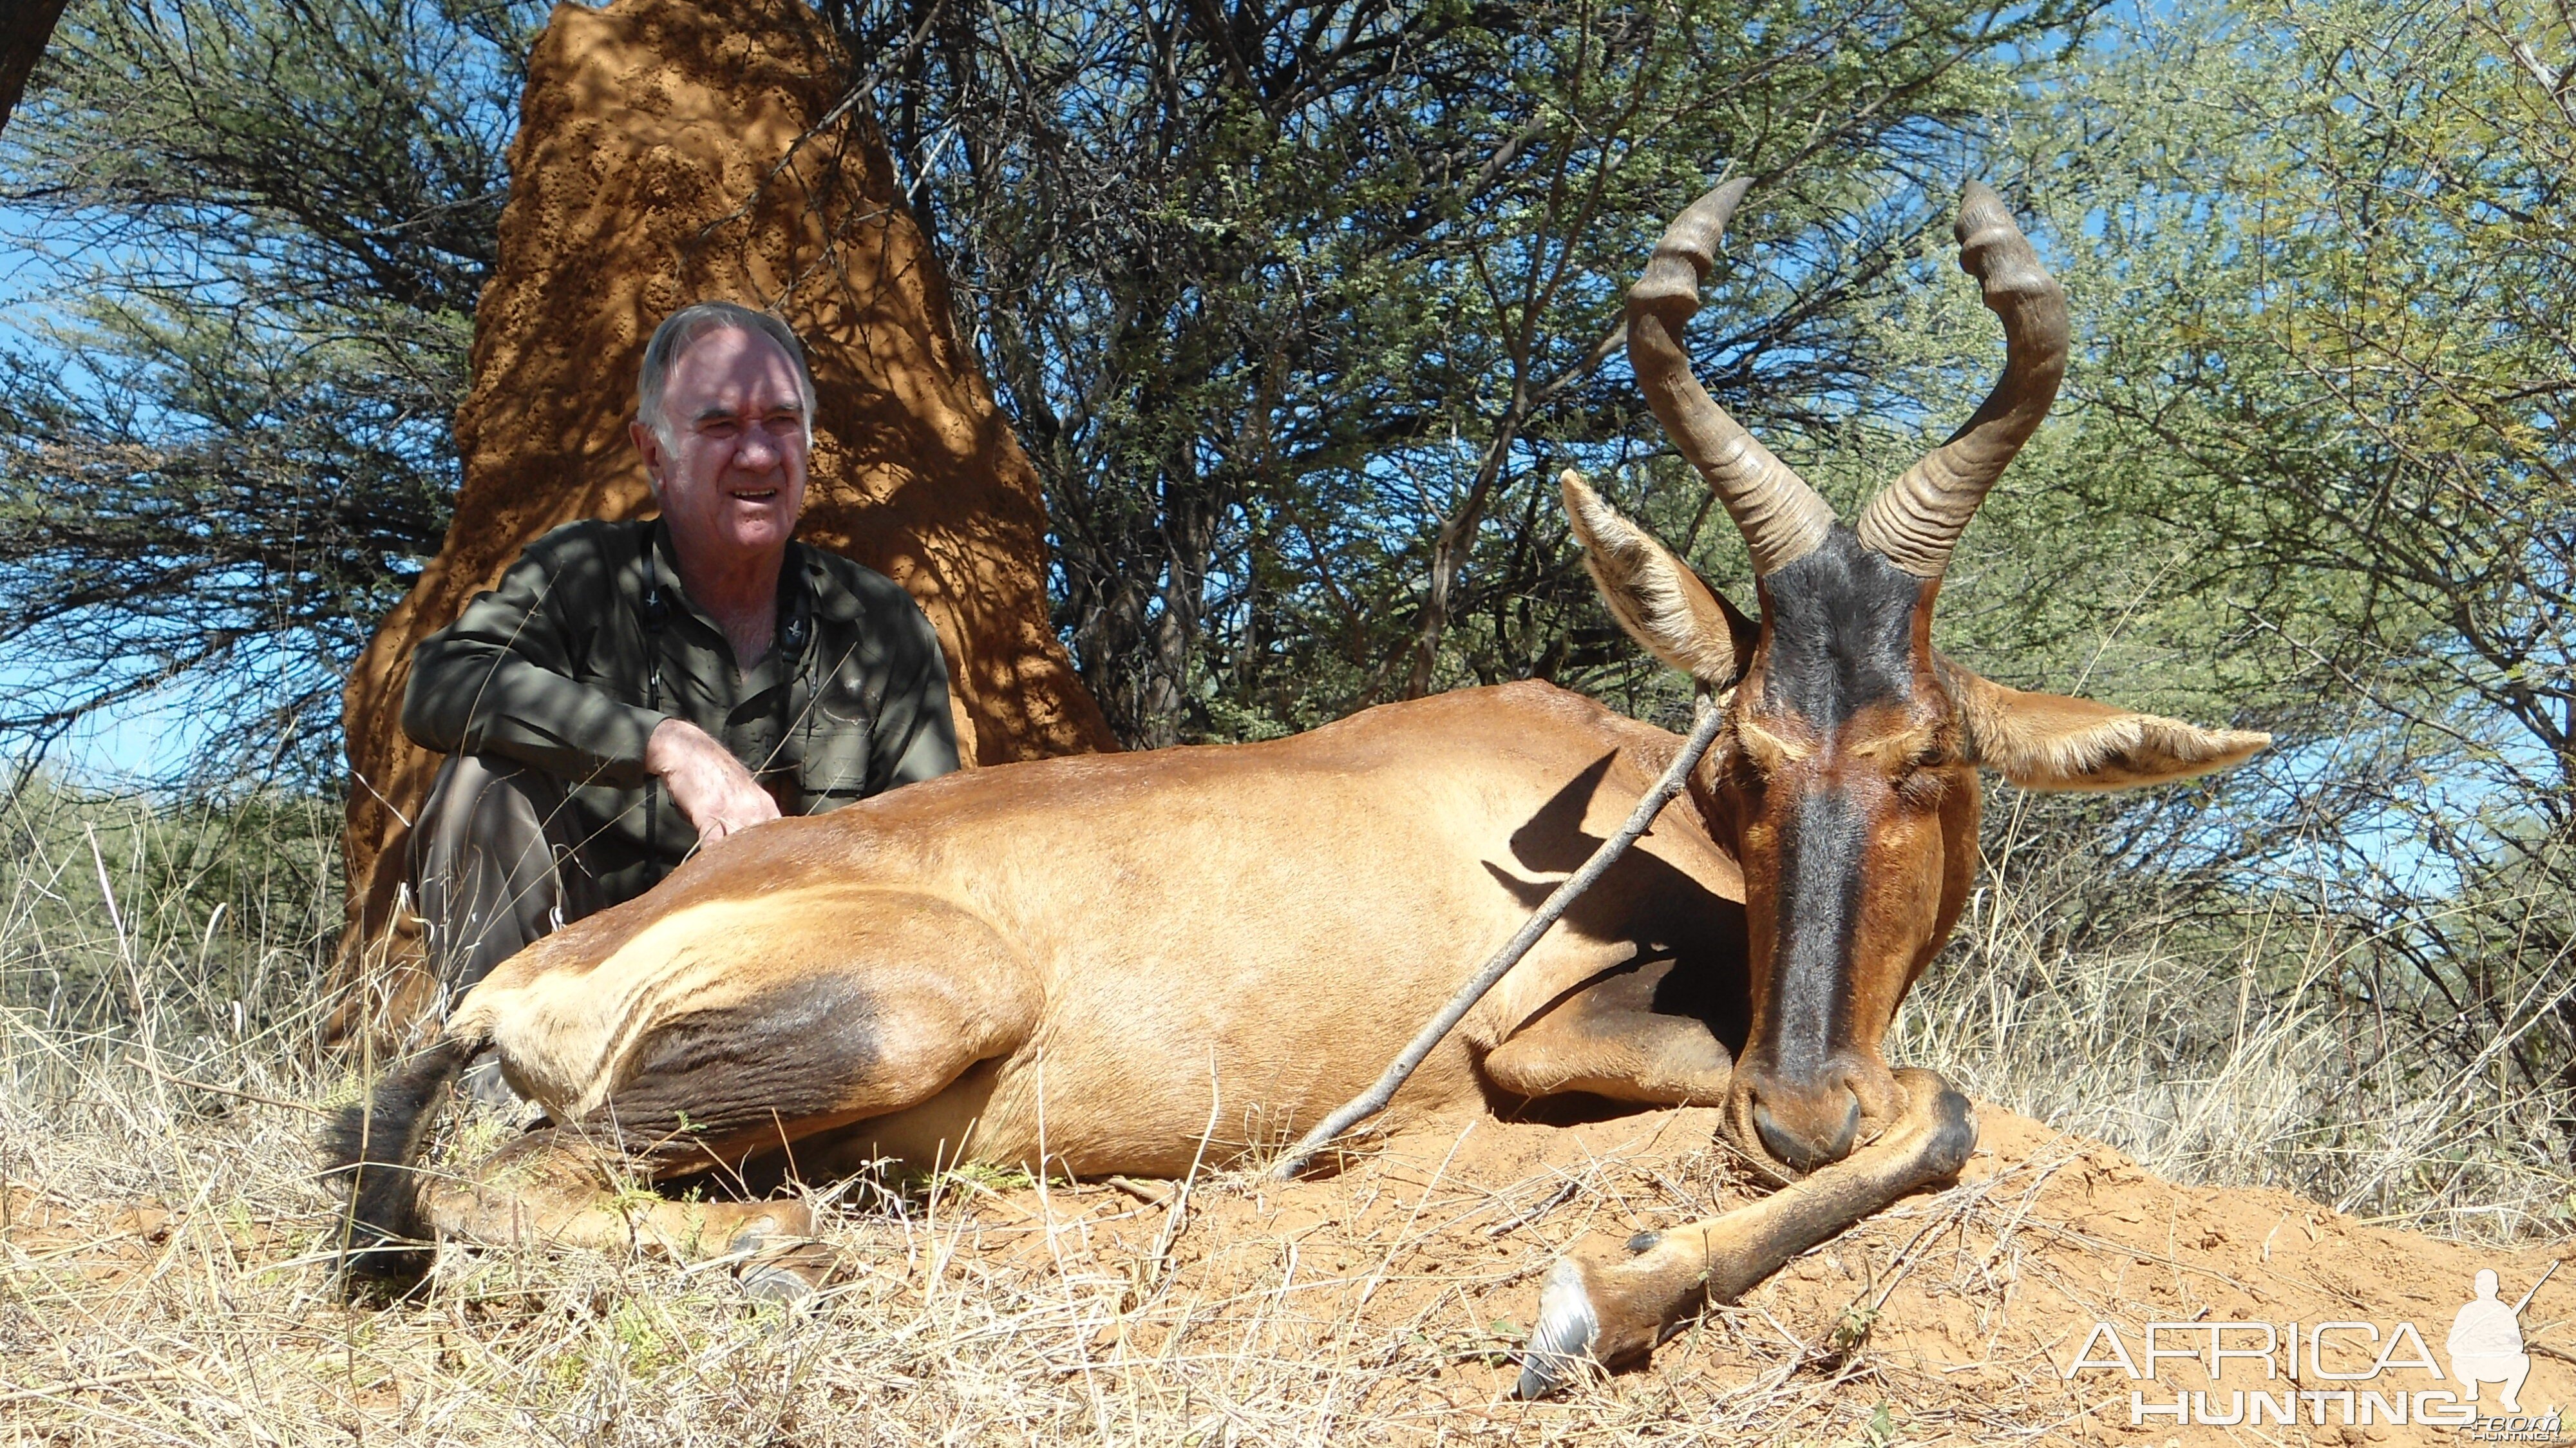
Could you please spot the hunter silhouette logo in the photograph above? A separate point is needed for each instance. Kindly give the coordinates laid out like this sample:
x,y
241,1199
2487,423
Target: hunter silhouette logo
x,y
2486,1343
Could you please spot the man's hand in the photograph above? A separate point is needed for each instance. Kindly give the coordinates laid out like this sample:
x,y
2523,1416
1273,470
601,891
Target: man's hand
x,y
710,786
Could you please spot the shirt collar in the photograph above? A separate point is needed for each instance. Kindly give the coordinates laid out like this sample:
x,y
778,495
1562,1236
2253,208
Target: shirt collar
x,y
795,628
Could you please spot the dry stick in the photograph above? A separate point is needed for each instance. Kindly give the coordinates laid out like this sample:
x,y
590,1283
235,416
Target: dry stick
x,y
112,1380
306,1107
1372,1101
2535,1289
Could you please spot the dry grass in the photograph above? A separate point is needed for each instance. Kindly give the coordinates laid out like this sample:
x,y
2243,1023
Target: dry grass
x,y
961,1315
2261,1050
966,1315
164,1246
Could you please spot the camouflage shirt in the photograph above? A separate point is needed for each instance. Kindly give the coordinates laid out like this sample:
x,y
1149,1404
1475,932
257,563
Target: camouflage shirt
x,y
589,643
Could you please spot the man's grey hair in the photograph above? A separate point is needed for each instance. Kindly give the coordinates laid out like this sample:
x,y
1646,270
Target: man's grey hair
x,y
686,326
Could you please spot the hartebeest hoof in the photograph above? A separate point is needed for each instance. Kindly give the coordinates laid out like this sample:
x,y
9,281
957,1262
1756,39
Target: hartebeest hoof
x,y
781,1269
1561,1341
1616,1311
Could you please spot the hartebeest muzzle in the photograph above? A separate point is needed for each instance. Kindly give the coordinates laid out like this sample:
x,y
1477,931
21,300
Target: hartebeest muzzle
x,y
1847,776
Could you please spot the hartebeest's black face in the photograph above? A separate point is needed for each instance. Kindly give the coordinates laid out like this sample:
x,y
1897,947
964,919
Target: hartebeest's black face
x,y
1854,814
1846,781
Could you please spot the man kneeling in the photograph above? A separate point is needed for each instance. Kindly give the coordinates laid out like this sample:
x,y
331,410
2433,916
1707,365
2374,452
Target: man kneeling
x,y
632,692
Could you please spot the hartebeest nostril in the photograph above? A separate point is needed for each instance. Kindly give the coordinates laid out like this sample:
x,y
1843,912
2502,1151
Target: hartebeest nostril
x,y
1809,1148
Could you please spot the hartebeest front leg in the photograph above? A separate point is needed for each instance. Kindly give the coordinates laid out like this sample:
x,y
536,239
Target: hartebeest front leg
x,y
1611,1312
1610,1040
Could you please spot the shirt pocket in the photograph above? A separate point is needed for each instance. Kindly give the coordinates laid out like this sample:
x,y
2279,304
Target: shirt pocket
x,y
832,739
831,781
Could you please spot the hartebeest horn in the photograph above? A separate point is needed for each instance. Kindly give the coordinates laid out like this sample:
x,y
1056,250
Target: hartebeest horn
x,y
1917,521
1782,519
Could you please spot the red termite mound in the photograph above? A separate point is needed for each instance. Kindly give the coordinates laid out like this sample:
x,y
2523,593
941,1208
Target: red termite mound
x,y
669,154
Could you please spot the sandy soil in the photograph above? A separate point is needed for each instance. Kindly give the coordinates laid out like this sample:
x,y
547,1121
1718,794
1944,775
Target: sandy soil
x,y
1407,1282
1962,1306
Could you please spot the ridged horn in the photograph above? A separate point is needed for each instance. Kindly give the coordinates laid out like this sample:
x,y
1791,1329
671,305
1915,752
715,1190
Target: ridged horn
x,y
1781,518
1917,521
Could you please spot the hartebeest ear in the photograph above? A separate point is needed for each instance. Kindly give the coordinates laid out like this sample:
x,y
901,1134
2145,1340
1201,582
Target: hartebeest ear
x,y
1654,595
2051,741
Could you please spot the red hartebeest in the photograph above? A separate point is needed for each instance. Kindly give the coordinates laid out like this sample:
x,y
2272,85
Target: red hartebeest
x,y
1078,963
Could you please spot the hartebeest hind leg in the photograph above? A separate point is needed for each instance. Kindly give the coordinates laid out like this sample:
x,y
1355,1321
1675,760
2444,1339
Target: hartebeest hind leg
x,y
751,1044
1615,1311
1610,1039
863,1022
555,1187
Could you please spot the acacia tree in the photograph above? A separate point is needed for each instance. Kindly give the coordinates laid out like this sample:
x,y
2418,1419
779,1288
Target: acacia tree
x,y
2317,464
224,448
1295,309
1299,308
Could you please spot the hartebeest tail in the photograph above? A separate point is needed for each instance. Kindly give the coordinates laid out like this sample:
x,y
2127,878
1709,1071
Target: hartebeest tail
x,y
374,1143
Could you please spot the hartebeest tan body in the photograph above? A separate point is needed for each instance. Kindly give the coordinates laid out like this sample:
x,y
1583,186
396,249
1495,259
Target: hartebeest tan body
x,y
1131,963
989,967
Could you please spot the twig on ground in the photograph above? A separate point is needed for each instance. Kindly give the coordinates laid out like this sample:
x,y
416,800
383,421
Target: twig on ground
x,y
278,1101
85,1385
1151,1196
1521,1219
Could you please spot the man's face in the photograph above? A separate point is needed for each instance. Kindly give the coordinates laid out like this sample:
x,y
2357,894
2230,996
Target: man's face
x,y
731,478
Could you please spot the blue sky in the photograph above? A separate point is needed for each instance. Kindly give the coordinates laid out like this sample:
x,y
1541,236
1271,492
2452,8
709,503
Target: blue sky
x,y
153,737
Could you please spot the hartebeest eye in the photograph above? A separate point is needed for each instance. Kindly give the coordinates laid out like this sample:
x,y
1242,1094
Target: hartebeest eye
x,y
1768,748
1903,755
1925,777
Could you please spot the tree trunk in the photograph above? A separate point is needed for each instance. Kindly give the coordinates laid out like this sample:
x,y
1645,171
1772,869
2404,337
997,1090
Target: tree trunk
x,y
24,29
